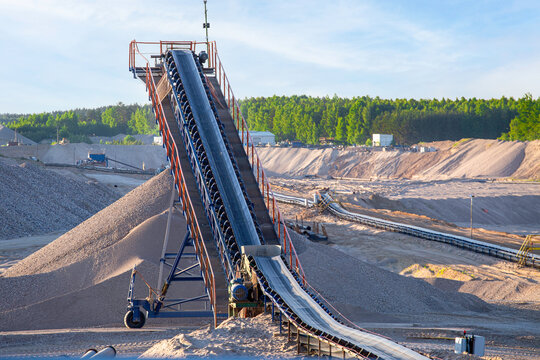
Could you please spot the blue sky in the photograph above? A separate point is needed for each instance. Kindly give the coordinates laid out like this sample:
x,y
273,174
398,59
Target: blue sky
x,y
63,54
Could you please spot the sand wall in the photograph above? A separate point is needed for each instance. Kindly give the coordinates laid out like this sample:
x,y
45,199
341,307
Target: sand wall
x,y
467,159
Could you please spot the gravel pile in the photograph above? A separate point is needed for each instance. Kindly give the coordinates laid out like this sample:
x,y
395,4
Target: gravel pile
x,y
7,135
100,231
37,201
81,279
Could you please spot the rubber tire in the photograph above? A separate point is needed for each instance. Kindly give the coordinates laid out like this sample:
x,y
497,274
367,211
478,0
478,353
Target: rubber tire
x,y
128,320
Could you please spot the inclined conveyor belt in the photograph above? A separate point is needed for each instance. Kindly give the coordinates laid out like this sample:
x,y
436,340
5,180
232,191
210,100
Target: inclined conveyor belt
x,y
229,188
275,277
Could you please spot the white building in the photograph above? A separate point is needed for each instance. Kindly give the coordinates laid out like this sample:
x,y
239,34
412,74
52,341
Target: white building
x,y
382,139
158,140
260,137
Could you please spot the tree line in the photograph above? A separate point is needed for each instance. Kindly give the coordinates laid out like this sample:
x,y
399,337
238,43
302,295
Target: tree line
x,y
353,121
308,119
79,124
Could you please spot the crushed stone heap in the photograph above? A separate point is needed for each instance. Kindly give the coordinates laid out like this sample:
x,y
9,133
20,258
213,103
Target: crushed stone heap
x,y
37,201
81,279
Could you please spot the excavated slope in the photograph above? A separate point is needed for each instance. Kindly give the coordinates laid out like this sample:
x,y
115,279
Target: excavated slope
x,y
464,159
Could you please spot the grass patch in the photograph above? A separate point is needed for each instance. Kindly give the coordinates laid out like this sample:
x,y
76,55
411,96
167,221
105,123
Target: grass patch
x,y
462,141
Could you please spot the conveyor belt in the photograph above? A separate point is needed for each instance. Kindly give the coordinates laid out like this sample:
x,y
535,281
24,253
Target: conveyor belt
x,y
282,282
198,120
486,248
224,175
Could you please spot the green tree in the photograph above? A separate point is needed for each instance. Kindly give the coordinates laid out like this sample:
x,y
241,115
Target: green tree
x,y
525,126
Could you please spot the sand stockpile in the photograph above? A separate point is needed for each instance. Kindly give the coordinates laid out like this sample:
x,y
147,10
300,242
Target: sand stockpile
x,y
7,135
364,292
81,279
37,201
252,337
465,159
101,230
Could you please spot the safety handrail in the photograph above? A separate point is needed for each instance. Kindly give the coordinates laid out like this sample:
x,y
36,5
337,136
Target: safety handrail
x,y
187,206
214,62
164,46
255,162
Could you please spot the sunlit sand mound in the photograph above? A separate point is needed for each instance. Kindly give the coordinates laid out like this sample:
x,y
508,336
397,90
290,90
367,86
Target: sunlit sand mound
x,y
468,158
233,337
100,231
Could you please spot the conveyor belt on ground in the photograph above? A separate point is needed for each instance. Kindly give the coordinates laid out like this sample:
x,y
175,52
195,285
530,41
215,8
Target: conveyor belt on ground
x,y
195,104
490,249
281,281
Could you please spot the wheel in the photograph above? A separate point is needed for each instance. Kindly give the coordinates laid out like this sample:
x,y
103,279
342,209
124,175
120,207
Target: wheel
x,y
128,320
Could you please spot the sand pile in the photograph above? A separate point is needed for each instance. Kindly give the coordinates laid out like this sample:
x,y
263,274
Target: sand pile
x,y
81,279
364,292
37,201
252,337
530,166
463,159
509,291
7,135
479,158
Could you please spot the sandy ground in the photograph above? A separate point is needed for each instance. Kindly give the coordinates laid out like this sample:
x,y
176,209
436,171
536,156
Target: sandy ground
x,y
444,277
73,342
497,205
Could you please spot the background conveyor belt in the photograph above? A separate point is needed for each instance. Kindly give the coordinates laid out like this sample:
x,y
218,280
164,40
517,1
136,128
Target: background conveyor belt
x,y
282,282
501,252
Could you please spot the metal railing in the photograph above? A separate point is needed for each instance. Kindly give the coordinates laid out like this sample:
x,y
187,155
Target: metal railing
x,y
525,253
215,65
187,206
255,162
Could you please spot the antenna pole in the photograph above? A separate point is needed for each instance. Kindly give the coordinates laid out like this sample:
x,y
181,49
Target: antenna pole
x,y
206,26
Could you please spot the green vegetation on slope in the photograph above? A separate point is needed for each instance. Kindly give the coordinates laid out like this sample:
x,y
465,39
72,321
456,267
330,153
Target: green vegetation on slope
x,y
525,126
353,120
78,125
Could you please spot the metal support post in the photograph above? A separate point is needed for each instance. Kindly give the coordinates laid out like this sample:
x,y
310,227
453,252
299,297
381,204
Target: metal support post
x,y
472,196
166,240
289,330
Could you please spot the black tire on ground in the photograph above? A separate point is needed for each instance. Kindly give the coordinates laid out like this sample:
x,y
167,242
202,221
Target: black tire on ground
x,y
128,320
